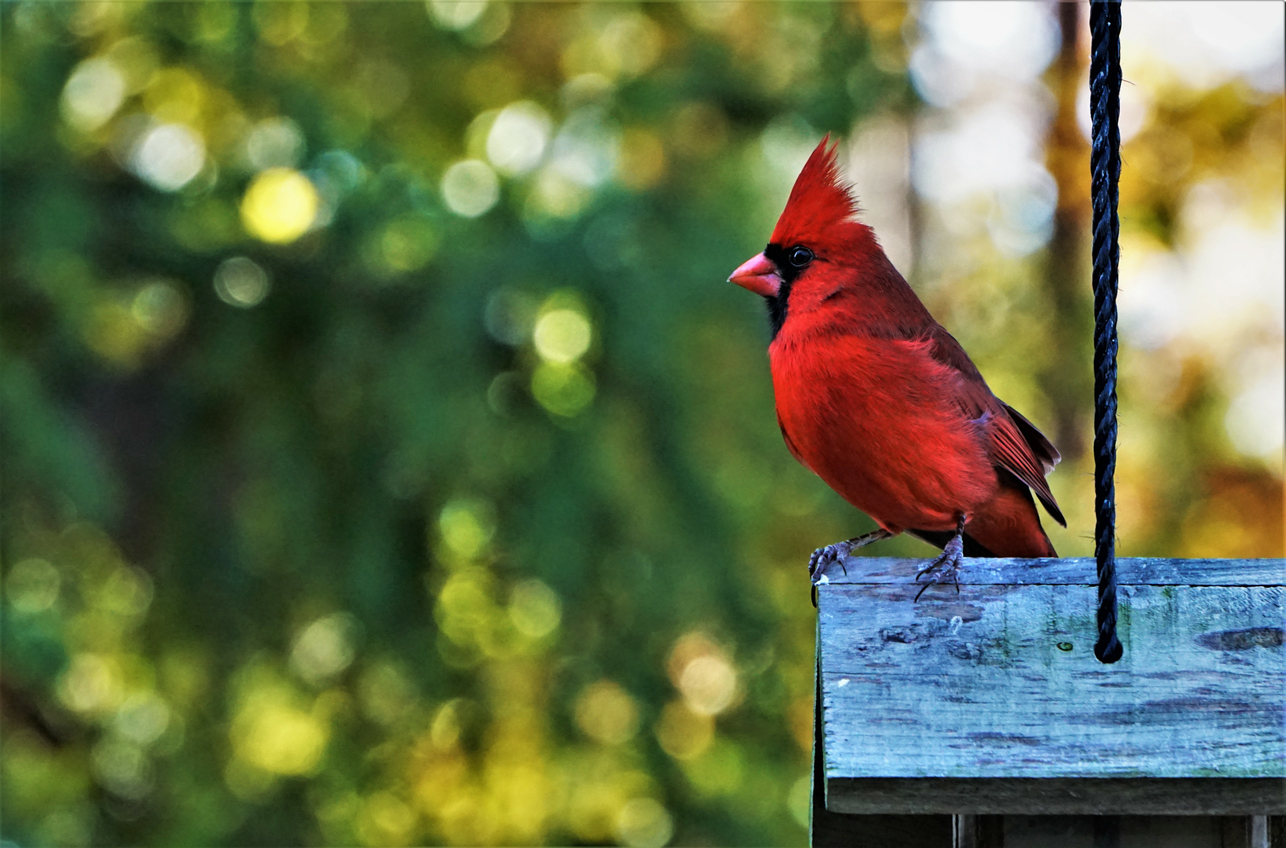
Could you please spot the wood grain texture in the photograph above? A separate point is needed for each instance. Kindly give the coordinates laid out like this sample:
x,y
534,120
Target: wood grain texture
x,y
1079,571
999,683
1057,796
830,829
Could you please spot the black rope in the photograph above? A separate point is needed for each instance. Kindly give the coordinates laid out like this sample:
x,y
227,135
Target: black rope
x,y
1105,172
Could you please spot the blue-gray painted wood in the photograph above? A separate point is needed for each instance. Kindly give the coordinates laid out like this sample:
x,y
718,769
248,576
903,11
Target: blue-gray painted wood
x,y
1079,571
999,683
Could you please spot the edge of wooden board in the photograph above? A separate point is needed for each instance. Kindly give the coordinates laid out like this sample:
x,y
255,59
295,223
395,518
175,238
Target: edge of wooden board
x,y
1143,571
1058,796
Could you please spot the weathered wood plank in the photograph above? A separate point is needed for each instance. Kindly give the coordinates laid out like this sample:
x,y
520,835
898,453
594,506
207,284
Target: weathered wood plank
x,y
829,829
1130,571
996,690
921,796
1002,682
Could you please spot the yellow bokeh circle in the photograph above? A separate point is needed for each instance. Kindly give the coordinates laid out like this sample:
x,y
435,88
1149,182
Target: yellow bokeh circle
x,y
279,206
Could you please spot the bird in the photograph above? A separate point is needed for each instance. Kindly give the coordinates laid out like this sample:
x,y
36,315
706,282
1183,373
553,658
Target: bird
x,y
877,399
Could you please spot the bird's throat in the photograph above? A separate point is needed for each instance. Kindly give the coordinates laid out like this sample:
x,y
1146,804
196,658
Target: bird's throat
x,y
777,310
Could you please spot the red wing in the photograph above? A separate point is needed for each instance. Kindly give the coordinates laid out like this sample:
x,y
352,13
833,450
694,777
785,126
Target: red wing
x,y
1013,452
1013,442
1041,446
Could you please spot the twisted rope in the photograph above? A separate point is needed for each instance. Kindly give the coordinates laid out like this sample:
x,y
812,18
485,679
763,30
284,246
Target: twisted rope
x,y
1105,172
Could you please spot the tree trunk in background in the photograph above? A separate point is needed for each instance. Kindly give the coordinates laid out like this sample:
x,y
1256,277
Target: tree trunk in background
x,y
1068,379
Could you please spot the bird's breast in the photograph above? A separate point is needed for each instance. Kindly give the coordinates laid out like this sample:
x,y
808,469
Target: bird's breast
x,y
876,419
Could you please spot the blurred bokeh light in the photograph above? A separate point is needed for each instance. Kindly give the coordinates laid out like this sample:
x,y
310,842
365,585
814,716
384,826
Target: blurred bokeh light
x,y
388,462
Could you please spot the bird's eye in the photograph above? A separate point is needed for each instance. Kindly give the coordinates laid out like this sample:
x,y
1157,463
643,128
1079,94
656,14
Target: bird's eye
x,y
800,256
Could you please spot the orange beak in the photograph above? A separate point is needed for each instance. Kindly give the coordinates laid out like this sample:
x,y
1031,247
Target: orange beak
x,y
759,275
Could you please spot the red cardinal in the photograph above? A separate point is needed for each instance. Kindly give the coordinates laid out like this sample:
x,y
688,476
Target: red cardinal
x,y
878,400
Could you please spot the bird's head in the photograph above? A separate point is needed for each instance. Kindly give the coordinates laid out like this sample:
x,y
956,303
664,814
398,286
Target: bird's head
x,y
818,227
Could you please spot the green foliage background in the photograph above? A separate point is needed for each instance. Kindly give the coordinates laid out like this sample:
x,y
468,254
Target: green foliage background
x,y
355,563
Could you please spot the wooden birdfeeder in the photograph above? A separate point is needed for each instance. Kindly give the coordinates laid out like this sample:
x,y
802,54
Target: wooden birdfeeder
x,y
992,703
1008,715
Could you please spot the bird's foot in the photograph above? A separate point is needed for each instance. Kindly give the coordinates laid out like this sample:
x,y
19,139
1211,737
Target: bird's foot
x,y
824,557
945,567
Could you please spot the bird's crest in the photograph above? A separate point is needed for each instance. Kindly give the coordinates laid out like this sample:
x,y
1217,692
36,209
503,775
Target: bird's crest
x,y
819,201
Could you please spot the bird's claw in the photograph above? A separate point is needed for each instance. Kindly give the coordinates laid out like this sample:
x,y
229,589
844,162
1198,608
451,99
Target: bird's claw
x,y
823,557
944,568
